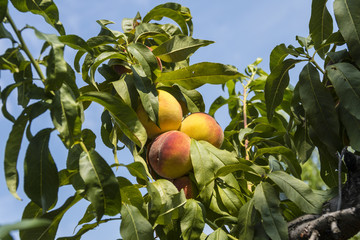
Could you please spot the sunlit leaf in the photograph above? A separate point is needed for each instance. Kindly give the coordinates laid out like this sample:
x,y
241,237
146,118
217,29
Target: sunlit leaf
x,y
23,225
179,48
33,211
124,116
218,234
172,11
134,226
192,222
199,74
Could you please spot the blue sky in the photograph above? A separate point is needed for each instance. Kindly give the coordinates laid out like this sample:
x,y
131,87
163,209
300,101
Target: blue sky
x,y
242,31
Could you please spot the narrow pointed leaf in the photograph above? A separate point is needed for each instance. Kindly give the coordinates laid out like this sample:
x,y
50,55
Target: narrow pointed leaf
x,y
298,192
192,222
319,107
67,115
134,226
320,25
279,53
102,188
169,10
12,150
346,14
41,181
48,10
23,225
246,220
267,203
124,116
275,86
352,126
54,217
218,234
345,78
199,74
179,48
145,57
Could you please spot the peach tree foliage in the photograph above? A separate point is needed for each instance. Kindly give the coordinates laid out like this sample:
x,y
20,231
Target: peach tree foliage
x,y
248,189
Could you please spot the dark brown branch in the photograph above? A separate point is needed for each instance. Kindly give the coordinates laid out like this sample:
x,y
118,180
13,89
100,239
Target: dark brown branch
x,y
334,223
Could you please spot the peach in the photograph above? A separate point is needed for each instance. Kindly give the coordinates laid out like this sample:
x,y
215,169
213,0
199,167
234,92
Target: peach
x,y
170,115
202,126
169,154
185,183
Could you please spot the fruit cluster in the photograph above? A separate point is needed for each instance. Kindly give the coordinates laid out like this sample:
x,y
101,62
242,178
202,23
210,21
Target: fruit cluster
x,y
169,152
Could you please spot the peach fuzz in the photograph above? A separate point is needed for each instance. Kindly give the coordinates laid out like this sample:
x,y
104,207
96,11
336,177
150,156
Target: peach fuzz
x,y
187,185
169,155
170,115
202,126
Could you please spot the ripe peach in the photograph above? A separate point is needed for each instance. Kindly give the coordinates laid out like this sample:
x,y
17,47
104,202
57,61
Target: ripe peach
x,y
185,183
170,115
169,154
202,126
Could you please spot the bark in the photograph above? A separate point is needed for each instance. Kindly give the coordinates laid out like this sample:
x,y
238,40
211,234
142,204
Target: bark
x,y
341,215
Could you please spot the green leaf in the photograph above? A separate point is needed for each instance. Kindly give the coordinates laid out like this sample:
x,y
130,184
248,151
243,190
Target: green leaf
x,y
319,107
124,116
179,48
346,14
346,81
288,154
48,10
206,160
136,169
32,211
192,222
100,59
4,95
4,33
218,234
3,10
75,42
169,202
320,25
275,86
150,30
246,220
352,126
134,226
267,203
298,191
145,57
12,150
67,115
172,11
102,188
41,181
147,92
279,53
130,194
23,225
199,74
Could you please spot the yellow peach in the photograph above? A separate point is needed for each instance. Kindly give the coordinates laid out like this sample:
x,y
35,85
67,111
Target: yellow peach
x,y
202,126
170,115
